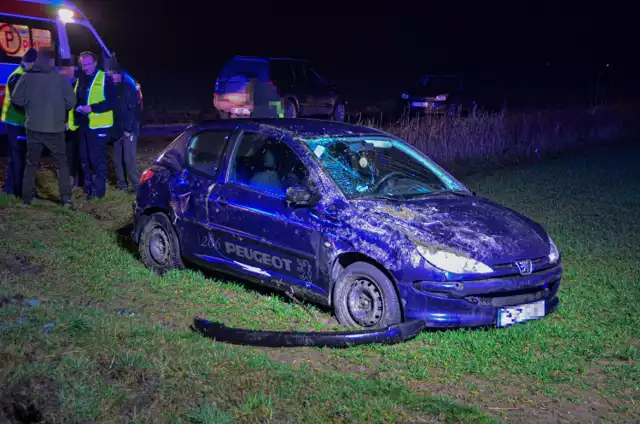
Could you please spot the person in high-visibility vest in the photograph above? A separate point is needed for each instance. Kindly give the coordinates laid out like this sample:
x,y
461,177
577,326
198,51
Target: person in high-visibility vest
x,y
93,119
13,118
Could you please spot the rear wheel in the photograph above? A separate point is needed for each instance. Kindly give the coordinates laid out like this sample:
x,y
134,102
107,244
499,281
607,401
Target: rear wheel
x,y
159,245
290,109
364,297
339,112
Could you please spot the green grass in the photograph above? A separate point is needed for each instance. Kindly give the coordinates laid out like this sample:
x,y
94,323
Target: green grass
x,y
93,364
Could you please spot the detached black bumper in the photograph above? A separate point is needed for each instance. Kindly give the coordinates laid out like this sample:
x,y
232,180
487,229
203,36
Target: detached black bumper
x,y
340,339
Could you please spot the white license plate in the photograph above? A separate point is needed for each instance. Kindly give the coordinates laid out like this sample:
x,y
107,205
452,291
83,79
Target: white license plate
x,y
520,313
420,104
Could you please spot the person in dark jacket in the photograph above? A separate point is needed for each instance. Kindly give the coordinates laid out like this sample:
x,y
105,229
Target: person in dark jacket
x,y
47,98
266,99
13,117
94,119
126,128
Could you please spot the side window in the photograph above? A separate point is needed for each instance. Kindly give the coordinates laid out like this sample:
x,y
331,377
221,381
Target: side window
x,y
82,39
205,151
267,164
281,71
313,77
17,35
299,72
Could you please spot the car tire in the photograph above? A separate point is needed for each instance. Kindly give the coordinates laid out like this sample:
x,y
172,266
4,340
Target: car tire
x,y
290,109
159,246
364,297
339,112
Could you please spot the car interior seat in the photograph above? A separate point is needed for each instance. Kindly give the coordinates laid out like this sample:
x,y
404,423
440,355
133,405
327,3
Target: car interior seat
x,y
267,178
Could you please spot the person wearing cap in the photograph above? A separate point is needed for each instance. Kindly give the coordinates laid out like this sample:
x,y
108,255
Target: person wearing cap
x,y
93,119
47,98
126,129
13,117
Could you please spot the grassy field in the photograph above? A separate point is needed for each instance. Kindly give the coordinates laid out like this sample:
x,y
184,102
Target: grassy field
x,y
107,340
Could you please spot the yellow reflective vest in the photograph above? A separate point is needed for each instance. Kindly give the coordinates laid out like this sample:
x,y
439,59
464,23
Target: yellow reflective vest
x,y
96,95
9,113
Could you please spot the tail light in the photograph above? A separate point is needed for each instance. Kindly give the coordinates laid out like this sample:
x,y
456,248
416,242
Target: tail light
x,y
146,175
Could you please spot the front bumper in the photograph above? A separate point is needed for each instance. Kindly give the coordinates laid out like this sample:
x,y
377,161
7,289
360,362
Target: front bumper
x,y
428,106
340,339
452,304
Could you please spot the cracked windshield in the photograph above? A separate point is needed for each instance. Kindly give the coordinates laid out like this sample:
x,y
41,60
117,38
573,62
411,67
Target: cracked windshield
x,y
379,167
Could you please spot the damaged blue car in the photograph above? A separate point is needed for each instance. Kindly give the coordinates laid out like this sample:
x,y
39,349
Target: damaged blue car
x,y
345,216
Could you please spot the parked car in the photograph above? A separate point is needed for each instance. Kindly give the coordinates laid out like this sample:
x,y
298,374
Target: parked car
x,y
438,95
303,91
346,216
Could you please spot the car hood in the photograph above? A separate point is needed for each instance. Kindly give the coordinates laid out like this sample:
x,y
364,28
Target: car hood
x,y
483,230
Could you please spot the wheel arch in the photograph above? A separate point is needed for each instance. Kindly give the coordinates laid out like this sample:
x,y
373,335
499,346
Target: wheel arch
x,y
293,99
146,213
343,260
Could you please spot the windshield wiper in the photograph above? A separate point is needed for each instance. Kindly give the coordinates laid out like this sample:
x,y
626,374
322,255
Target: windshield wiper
x,y
438,193
399,198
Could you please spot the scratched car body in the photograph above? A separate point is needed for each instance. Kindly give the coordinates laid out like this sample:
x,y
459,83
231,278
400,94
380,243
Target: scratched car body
x,y
345,216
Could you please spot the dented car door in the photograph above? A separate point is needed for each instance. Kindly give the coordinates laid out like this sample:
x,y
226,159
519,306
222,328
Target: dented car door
x,y
259,233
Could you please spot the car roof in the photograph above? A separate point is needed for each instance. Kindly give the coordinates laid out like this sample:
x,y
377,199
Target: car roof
x,y
440,76
265,59
307,128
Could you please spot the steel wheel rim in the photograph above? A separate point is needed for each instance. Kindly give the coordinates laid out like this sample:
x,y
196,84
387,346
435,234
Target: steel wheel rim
x,y
364,302
159,246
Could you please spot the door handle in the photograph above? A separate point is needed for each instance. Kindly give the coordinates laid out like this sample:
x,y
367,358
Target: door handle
x,y
222,201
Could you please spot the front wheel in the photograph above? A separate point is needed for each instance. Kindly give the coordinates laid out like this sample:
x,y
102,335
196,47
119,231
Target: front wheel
x,y
364,297
159,245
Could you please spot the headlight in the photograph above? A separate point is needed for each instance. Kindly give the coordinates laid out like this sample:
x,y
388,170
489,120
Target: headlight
x,y
554,254
405,96
441,97
452,262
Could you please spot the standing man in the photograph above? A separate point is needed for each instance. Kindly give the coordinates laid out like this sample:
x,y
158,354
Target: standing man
x,y
47,98
13,117
127,128
93,118
266,99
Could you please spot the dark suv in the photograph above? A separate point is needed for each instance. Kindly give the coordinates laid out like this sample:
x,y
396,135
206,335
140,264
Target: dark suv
x,y
303,91
435,94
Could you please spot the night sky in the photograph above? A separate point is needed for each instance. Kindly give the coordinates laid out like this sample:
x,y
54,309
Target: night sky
x,y
374,49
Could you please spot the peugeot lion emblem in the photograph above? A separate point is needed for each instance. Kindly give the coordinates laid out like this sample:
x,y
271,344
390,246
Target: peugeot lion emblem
x,y
525,266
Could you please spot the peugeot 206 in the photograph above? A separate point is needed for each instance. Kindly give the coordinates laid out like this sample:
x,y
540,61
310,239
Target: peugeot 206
x,y
346,216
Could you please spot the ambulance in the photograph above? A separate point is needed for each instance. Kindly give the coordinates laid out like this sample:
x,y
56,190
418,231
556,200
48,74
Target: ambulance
x,y
57,24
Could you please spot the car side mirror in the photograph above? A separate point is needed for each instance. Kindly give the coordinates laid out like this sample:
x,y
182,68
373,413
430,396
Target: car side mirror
x,y
302,196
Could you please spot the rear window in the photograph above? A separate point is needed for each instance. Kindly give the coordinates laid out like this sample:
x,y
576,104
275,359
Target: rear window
x,y
82,39
205,151
247,67
17,35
